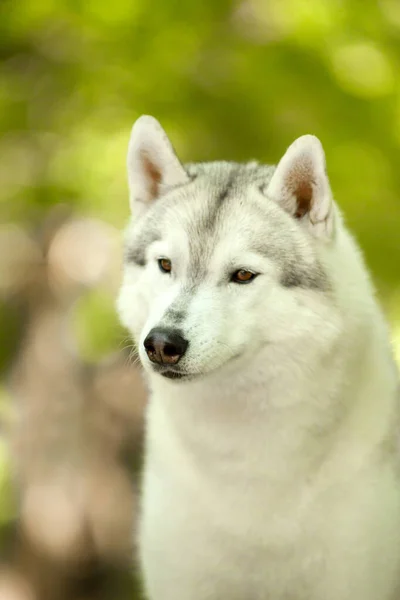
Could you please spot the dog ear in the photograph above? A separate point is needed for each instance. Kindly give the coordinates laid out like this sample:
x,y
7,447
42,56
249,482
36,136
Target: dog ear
x,y
152,164
301,186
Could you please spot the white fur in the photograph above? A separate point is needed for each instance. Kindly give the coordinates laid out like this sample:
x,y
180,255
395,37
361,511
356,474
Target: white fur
x,y
303,161
275,475
149,144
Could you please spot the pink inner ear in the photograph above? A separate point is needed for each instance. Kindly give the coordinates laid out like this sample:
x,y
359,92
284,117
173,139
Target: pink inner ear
x,y
299,180
153,174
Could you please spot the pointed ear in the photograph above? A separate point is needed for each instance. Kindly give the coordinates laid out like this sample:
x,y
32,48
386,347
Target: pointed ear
x,y
152,164
301,186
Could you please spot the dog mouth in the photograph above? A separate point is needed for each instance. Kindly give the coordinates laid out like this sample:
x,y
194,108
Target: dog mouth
x,y
178,374
173,374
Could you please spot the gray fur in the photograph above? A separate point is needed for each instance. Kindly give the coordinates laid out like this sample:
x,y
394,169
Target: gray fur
x,y
178,311
175,315
294,276
135,251
285,400
224,188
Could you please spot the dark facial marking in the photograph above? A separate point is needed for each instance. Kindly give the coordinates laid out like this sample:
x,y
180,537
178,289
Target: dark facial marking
x,y
227,187
136,252
178,310
295,272
291,278
224,188
307,277
177,316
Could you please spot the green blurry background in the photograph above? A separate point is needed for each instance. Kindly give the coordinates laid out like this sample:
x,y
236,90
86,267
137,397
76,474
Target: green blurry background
x,y
228,80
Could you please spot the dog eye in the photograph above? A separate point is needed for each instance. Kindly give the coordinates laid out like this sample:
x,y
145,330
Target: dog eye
x,y
243,276
164,265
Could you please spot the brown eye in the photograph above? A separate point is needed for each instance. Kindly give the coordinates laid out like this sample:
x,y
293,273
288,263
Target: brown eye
x,y
165,265
243,276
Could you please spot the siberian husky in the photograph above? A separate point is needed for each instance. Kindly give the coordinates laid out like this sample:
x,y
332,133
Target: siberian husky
x,y
272,458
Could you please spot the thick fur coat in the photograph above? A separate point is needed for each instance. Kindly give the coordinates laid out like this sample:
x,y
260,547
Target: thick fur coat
x,y
272,456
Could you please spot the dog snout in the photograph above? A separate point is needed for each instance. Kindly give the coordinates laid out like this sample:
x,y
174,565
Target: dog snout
x,y
165,346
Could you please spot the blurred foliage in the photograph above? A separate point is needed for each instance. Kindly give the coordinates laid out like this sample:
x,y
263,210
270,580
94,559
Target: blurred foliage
x,y
228,80
233,80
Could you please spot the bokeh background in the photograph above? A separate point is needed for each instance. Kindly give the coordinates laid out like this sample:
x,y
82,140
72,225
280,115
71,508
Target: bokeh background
x,y
228,79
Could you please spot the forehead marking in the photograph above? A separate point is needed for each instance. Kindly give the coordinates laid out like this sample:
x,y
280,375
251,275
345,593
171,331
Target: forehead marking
x,y
229,184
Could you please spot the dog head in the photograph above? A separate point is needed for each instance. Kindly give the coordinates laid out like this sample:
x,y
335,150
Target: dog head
x,y
222,259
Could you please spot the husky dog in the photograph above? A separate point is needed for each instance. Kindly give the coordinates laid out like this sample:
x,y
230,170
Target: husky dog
x,y
272,461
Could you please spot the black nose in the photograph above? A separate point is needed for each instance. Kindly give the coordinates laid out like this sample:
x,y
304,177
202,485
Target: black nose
x,y
165,346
